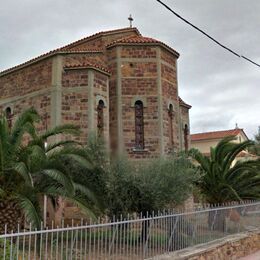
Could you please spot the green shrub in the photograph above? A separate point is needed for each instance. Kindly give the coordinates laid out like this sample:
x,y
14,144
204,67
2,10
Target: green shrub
x,y
153,186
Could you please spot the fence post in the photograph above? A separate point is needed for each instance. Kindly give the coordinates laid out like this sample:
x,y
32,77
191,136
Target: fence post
x,y
172,232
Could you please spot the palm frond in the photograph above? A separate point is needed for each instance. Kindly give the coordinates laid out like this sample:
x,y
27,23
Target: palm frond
x,y
236,149
21,169
2,193
62,129
86,192
29,116
30,209
82,204
60,144
54,190
61,178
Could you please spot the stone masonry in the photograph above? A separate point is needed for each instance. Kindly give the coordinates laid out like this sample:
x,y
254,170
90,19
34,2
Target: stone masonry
x,y
232,247
117,68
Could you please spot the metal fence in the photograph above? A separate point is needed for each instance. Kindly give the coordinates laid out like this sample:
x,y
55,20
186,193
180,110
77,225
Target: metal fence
x,y
131,238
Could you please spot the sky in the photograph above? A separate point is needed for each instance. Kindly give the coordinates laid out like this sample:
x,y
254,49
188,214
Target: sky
x,y
222,89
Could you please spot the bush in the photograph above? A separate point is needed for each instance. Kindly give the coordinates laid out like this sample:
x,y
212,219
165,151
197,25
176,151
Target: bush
x,y
5,245
165,182
153,186
122,189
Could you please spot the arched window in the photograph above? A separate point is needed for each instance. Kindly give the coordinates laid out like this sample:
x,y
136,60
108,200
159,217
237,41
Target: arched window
x,y
186,133
100,118
139,125
170,114
9,116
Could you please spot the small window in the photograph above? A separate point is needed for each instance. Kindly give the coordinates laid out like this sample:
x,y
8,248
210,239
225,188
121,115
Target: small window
x,y
170,114
100,118
9,116
186,134
139,125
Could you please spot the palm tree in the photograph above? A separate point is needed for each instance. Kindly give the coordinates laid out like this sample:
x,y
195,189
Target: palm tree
x,y
10,143
33,169
224,180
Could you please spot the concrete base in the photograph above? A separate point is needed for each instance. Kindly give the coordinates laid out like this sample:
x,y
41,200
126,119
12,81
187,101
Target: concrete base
x,y
230,247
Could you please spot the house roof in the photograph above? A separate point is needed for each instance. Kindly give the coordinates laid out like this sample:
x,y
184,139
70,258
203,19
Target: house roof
x,y
88,65
182,103
66,49
130,40
216,134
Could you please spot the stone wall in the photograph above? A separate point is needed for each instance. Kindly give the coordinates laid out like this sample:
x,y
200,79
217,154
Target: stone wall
x,y
139,82
26,80
28,87
148,74
229,248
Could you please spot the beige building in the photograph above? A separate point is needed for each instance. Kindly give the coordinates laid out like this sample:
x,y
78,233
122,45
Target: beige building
x,y
204,141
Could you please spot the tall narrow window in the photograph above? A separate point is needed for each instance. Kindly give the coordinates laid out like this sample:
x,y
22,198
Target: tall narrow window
x,y
170,114
9,116
186,134
139,125
100,118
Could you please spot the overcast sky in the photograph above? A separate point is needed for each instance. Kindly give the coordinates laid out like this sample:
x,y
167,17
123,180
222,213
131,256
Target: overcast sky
x,y
222,89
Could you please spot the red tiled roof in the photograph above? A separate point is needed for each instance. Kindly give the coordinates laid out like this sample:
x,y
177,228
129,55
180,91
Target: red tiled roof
x,y
216,134
65,49
91,37
49,54
88,65
182,103
141,40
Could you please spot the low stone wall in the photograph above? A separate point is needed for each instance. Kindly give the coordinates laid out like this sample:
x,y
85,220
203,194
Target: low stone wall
x,y
229,248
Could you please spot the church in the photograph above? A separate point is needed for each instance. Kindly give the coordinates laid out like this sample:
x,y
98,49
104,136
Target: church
x,y
119,84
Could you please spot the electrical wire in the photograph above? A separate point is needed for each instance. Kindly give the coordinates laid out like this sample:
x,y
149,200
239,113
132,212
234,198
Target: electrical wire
x,y
207,35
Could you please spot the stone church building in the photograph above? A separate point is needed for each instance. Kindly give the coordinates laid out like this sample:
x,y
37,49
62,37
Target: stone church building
x,y
117,83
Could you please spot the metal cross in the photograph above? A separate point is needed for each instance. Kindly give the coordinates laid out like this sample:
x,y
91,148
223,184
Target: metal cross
x,y
130,20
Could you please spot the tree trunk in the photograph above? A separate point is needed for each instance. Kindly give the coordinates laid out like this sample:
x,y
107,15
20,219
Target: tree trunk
x,y
10,215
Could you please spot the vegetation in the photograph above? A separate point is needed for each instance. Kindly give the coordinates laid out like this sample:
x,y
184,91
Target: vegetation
x,y
222,179
34,164
256,148
30,169
123,187
93,178
154,186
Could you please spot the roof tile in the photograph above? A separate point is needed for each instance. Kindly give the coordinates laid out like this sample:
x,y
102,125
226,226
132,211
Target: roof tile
x,y
184,103
50,53
87,65
216,134
140,40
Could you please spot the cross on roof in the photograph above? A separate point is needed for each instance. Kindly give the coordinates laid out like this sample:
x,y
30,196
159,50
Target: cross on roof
x,y
130,18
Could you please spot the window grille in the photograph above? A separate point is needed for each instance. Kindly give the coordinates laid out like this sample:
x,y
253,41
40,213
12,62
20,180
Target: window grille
x,y
139,125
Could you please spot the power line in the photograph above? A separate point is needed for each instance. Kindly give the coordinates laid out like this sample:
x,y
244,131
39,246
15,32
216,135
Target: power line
x,y
207,35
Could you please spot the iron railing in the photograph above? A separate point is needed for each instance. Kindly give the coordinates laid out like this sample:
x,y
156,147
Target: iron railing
x,y
136,237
